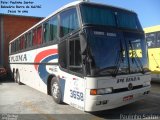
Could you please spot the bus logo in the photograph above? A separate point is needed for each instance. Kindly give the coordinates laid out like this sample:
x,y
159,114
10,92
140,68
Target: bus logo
x,y
130,86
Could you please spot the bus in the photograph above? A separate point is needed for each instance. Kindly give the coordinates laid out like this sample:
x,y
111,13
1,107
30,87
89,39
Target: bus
x,y
84,54
153,42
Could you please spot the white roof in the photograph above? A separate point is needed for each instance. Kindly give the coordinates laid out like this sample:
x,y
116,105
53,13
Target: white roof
x,y
60,9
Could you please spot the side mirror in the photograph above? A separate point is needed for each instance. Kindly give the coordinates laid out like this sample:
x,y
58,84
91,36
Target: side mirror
x,y
83,43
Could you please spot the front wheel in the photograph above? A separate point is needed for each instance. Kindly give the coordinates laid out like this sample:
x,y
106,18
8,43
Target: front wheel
x,y
55,91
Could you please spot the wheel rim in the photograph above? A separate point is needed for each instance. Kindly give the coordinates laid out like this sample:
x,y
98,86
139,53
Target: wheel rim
x,y
55,90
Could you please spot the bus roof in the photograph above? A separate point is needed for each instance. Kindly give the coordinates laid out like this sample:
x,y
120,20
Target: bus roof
x,y
64,7
54,13
152,29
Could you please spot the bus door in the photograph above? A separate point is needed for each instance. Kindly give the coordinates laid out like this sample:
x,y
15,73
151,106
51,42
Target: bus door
x,y
72,71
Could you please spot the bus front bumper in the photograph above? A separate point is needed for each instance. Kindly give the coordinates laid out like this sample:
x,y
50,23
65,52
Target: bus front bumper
x,y
114,100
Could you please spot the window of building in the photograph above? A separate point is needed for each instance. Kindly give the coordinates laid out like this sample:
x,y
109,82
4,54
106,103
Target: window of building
x,y
68,21
53,28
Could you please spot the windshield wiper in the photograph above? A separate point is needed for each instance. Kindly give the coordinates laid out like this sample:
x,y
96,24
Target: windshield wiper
x,y
118,60
134,54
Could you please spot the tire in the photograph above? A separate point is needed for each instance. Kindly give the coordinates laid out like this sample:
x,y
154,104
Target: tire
x,y
14,74
18,77
55,91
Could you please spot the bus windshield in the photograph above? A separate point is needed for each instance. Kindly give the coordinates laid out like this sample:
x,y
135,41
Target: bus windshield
x,y
105,16
117,52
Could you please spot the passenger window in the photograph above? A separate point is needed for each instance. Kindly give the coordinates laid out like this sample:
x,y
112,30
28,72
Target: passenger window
x,y
39,35
68,21
151,40
22,43
29,39
34,37
158,39
46,32
15,48
53,28
25,41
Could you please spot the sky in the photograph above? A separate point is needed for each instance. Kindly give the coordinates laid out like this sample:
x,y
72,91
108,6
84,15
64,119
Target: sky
x,y
148,10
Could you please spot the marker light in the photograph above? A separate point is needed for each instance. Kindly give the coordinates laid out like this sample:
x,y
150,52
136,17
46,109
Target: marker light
x,y
146,84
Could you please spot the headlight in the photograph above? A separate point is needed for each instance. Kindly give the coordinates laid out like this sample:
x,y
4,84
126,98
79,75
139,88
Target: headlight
x,y
101,91
147,84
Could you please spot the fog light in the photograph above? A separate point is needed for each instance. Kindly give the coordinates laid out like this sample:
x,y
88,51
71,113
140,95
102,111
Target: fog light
x,y
146,84
102,102
108,90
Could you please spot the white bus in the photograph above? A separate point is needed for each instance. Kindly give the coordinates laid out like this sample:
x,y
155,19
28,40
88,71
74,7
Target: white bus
x,y
88,55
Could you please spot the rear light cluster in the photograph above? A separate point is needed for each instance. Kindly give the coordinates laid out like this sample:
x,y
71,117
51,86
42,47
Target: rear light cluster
x,y
146,84
101,91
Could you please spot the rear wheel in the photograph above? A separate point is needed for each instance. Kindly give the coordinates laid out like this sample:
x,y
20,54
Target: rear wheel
x,y
55,91
18,78
14,74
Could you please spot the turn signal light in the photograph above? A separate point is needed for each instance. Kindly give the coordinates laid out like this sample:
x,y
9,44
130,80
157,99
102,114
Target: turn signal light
x,y
93,92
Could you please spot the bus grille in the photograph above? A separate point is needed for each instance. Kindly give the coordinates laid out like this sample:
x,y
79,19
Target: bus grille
x,y
126,89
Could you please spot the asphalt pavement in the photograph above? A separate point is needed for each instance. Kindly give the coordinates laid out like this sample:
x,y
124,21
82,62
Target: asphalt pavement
x,y
21,102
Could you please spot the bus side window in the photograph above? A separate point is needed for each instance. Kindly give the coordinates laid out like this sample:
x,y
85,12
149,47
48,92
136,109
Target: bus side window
x,y
158,39
17,45
34,37
22,43
75,60
15,48
30,39
25,41
68,21
46,32
39,35
151,40
53,28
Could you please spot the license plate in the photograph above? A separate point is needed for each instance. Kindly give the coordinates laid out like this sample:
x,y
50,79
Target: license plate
x,y
126,98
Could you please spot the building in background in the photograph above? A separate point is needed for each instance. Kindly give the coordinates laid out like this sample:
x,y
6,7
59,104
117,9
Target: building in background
x,y
10,27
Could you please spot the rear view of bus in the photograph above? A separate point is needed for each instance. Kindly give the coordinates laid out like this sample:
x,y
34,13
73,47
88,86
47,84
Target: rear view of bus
x,y
114,54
